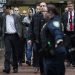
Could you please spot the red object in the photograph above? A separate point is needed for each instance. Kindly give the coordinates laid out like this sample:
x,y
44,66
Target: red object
x,y
70,22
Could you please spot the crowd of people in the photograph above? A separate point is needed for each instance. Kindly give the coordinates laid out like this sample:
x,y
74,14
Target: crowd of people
x,y
39,37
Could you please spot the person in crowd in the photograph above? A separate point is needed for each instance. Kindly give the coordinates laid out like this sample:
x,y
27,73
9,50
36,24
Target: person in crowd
x,y
66,9
1,14
28,46
0,23
16,11
37,8
0,26
68,21
21,49
34,36
24,14
11,32
35,62
53,49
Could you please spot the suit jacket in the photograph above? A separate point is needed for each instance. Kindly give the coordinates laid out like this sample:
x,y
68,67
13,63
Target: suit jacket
x,y
36,23
17,23
0,23
64,20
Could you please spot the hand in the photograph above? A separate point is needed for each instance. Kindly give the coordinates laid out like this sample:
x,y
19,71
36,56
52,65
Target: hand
x,y
59,42
29,41
20,36
64,34
36,41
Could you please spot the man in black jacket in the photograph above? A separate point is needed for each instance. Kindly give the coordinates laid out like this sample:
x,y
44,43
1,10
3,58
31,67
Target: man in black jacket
x,y
68,21
35,28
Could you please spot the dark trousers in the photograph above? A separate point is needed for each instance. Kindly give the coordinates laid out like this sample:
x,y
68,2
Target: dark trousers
x,y
21,52
73,52
37,57
67,43
70,43
11,43
35,54
54,66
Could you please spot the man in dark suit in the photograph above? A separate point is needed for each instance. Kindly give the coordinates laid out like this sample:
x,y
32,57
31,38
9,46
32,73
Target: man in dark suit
x,y
11,32
34,36
68,21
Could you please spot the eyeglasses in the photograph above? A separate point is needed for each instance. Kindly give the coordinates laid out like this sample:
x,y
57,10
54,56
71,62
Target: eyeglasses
x,y
16,10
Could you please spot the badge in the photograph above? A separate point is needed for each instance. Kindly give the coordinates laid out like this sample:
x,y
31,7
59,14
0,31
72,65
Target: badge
x,y
56,24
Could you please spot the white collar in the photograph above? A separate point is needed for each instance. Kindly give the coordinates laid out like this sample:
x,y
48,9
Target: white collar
x,y
72,12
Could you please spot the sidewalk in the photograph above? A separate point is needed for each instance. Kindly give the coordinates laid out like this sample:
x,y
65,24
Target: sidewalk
x,y
23,70
28,70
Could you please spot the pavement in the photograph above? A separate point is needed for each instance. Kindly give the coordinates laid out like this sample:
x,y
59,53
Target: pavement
x,y
28,70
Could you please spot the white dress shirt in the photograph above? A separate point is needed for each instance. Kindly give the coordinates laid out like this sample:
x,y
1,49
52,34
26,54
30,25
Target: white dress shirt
x,y
10,27
68,25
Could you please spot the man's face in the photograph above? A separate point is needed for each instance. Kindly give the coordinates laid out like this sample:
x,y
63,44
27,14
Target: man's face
x,y
37,8
8,10
16,10
30,12
24,13
11,11
70,6
66,9
49,15
43,7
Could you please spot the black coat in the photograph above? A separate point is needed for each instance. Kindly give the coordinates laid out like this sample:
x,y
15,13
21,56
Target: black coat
x,y
64,20
50,34
35,27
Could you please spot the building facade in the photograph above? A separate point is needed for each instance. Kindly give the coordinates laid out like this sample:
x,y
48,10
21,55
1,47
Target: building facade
x,y
29,2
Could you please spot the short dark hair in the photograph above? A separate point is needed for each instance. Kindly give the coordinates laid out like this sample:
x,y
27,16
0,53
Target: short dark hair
x,y
70,2
38,4
52,8
8,6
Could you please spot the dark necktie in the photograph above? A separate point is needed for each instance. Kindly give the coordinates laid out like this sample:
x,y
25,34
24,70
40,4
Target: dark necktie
x,y
70,22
